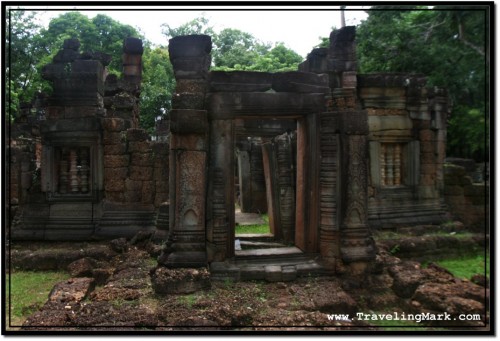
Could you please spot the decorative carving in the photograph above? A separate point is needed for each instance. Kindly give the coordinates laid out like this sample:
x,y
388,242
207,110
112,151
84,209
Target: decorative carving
x,y
357,244
328,229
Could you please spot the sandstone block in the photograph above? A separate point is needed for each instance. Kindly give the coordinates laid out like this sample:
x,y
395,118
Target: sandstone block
x,y
72,290
141,173
132,196
138,146
115,149
136,135
141,159
133,185
113,124
115,173
179,281
116,161
114,185
112,137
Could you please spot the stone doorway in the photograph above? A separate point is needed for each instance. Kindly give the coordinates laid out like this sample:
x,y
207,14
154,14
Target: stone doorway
x,y
330,173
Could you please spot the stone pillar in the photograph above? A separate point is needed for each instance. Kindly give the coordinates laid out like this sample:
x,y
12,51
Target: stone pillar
x,y
220,196
357,244
329,231
279,169
186,246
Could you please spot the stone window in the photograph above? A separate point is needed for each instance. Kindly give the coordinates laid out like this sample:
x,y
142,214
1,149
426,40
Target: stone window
x,y
73,170
392,164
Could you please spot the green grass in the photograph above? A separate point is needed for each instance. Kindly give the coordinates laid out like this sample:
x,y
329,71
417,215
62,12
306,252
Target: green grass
x,y
252,229
255,229
465,267
28,291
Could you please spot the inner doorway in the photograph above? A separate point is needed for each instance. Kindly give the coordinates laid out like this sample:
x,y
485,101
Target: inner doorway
x,y
265,153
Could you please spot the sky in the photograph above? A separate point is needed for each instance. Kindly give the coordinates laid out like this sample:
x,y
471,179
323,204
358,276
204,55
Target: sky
x,y
299,29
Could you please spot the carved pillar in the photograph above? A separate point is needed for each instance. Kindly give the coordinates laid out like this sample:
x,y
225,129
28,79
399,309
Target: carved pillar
x,y
357,244
220,202
186,246
329,232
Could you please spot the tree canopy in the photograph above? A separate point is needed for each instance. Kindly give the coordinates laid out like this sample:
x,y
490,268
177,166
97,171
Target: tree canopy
x,y
448,44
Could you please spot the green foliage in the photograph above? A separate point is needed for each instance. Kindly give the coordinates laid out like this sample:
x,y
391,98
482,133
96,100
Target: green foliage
x,y
157,86
449,46
28,291
22,51
237,50
101,33
198,25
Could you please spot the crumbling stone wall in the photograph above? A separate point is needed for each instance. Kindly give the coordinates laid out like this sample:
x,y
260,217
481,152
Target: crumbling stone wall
x,y
466,200
100,173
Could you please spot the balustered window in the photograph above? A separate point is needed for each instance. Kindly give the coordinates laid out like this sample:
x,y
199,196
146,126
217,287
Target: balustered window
x,y
391,164
73,171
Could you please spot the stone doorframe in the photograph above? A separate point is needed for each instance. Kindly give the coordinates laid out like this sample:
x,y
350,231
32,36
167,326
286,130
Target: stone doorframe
x,y
331,159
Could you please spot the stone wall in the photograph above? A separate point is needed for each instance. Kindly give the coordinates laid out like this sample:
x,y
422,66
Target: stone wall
x,y
100,175
466,200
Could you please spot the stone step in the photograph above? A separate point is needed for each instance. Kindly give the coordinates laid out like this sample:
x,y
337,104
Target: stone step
x,y
271,271
265,237
269,253
247,245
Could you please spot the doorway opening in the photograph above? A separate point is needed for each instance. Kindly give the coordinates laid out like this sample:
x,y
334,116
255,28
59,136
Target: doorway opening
x,y
265,184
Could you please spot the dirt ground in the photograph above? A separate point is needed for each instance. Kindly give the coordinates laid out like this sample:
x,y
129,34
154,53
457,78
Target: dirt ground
x,y
111,290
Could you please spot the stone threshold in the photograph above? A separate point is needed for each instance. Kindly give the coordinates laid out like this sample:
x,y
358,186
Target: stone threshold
x,y
272,264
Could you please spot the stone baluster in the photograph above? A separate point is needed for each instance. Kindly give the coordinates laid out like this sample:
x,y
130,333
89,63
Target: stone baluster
x,y
84,171
389,159
73,171
382,164
397,164
63,173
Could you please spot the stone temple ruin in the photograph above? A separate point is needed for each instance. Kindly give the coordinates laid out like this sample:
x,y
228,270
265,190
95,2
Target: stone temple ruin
x,y
328,153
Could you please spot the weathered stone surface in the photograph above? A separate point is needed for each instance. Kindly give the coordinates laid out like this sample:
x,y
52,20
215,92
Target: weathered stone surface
x,y
113,124
72,290
137,135
142,159
179,281
455,298
188,101
296,81
138,146
189,46
186,121
407,278
116,161
133,45
119,245
115,149
141,173
82,267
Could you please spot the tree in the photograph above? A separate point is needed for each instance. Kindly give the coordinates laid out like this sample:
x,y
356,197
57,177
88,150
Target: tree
x,y
158,85
449,45
198,25
101,33
22,54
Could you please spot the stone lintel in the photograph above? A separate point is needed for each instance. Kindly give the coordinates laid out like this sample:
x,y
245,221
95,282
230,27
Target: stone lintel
x,y
68,125
230,105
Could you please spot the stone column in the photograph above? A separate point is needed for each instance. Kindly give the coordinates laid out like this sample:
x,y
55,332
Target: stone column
x,y
186,246
357,245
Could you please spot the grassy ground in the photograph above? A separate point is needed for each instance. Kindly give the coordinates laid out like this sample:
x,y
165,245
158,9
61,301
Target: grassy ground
x,y
467,266
27,292
255,229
